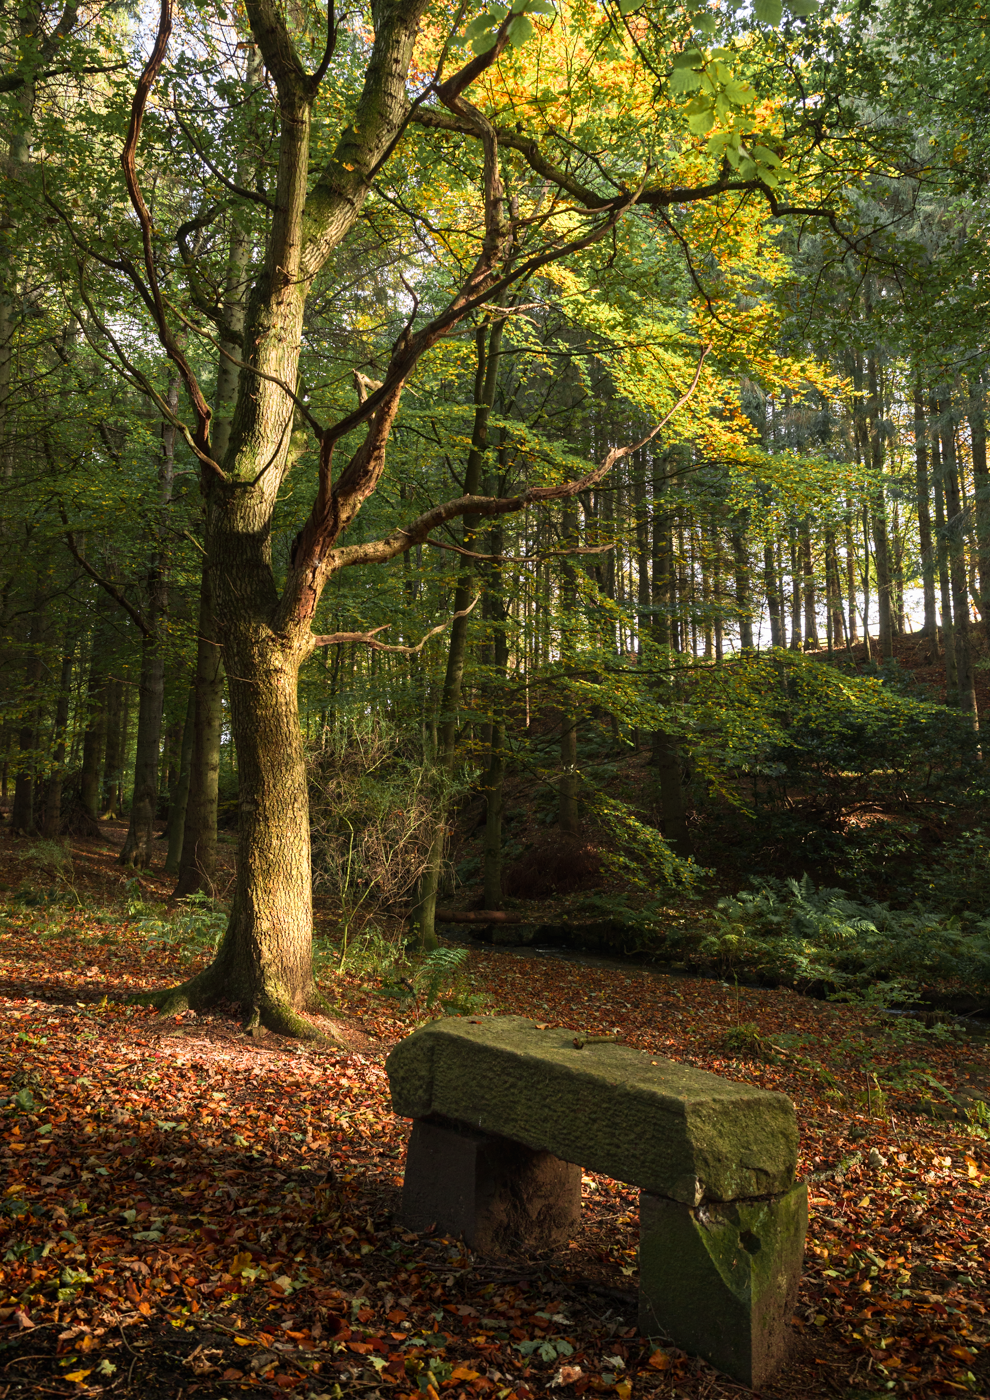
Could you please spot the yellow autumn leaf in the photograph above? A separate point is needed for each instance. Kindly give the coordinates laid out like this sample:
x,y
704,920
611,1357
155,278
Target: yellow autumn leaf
x,y
623,1389
244,1341
78,1375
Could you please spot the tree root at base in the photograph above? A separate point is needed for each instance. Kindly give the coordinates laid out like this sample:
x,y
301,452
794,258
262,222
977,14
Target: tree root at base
x,y
271,1012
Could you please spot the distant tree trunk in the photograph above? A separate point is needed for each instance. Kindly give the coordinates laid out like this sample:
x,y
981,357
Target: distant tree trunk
x,y
897,574
23,817
567,790
706,592
981,493
930,627
719,626
881,560
796,589
809,590
198,859
660,568
642,548
744,597
94,735
867,562
833,589
773,596
115,747
851,575
956,540
665,757
138,844
52,822
179,795
488,341
945,596
494,780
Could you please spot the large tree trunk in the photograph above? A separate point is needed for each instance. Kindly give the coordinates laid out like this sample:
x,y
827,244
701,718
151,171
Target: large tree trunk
x,y
264,962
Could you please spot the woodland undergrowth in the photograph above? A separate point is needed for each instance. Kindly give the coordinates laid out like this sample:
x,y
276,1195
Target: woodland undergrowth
x,y
191,1211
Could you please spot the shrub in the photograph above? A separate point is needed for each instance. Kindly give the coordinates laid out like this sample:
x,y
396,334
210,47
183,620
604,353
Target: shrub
x,y
789,930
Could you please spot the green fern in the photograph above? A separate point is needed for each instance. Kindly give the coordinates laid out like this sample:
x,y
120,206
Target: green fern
x,y
438,973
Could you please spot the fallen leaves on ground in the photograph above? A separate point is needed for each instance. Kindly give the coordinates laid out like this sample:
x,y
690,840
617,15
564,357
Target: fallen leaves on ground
x,y
188,1211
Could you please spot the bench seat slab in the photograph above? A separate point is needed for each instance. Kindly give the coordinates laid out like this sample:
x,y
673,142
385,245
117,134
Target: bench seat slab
x,y
665,1127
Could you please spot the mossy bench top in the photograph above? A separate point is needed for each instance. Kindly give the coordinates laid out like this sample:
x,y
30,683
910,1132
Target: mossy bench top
x,y
665,1127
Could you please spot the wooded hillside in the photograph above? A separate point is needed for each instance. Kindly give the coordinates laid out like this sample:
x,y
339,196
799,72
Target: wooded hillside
x,y
514,475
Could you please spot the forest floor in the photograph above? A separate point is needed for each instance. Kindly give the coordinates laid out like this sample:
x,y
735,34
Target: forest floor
x,y
188,1211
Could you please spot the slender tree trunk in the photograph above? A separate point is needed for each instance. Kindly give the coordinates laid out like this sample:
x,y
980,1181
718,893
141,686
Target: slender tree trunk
x,y
981,493
808,587
567,808
744,598
773,596
923,493
956,540
851,575
116,746
488,343
706,592
797,590
24,814
660,568
867,565
198,860
52,822
138,844
94,736
881,557
494,781
941,543
179,796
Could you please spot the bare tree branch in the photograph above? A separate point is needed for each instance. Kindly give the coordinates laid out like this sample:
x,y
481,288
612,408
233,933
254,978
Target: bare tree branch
x,y
381,551
368,638
520,559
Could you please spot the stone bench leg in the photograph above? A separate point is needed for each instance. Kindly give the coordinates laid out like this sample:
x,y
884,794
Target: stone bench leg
x,y
720,1281
495,1193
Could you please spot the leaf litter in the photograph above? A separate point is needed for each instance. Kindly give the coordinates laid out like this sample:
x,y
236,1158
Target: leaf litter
x,y
187,1211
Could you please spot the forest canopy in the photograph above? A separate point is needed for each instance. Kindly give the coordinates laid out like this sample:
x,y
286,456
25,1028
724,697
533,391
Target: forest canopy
x,y
417,416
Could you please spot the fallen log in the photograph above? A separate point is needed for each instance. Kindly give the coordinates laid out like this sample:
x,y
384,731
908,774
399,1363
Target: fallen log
x,y
480,916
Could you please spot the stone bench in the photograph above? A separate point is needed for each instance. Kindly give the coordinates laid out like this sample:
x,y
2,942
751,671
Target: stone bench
x,y
507,1115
